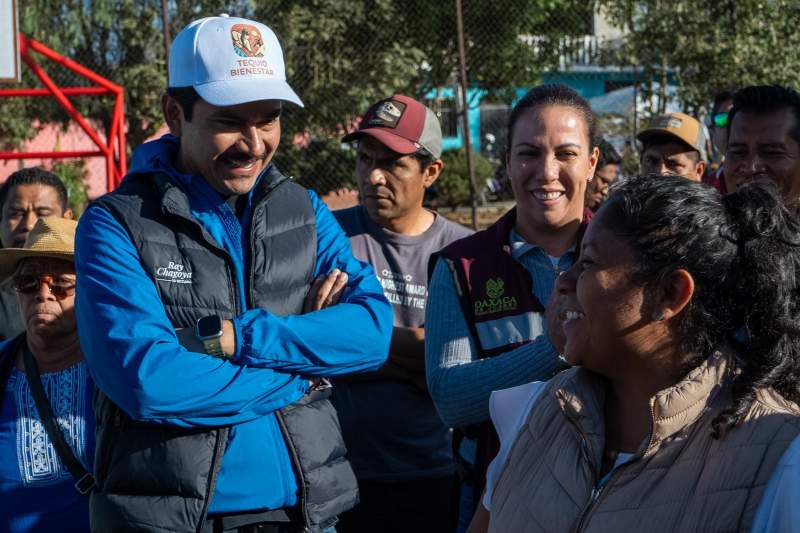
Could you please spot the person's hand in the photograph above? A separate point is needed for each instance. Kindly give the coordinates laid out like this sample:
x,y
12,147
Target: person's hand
x,y
553,322
325,291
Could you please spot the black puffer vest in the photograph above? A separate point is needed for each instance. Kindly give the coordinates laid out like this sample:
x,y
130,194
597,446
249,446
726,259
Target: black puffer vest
x,y
160,478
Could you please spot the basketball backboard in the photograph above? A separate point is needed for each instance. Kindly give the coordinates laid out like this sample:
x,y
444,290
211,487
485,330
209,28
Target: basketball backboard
x,y
9,45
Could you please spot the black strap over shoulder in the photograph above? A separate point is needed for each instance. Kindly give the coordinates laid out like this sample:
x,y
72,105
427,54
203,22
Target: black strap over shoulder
x,y
7,364
84,480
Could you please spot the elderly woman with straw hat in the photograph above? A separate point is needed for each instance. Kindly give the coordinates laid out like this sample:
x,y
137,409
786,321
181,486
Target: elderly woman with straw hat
x,y
46,416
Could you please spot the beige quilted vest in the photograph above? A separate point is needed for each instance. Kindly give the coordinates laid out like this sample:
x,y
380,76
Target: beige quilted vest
x,y
680,480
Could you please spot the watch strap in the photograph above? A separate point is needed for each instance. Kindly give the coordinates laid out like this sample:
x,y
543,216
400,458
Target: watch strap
x,y
214,347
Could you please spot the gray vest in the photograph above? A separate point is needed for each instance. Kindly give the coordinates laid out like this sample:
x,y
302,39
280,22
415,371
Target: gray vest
x,y
154,477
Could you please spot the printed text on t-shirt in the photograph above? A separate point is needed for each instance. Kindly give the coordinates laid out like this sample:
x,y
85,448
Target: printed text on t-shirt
x,y
400,290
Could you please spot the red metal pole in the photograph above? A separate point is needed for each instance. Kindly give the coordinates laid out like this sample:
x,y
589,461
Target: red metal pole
x,y
109,173
36,46
69,91
113,140
123,149
50,155
112,132
61,99
114,149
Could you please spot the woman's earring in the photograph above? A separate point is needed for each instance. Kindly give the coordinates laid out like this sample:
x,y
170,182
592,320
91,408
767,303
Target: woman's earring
x,y
658,316
590,178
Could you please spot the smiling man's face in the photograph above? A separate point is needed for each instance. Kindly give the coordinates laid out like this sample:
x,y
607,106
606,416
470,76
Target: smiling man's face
x,y
761,146
228,146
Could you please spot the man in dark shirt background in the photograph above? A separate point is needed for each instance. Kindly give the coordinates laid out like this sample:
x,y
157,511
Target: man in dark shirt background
x,y
398,446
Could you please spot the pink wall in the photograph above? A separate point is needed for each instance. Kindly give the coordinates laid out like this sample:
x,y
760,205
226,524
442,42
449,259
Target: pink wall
x,y
54,138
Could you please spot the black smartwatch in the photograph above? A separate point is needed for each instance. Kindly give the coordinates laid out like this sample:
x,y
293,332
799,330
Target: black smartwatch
x,y
208,330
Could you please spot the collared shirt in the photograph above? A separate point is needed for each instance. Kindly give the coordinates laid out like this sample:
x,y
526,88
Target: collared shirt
x,y
460,382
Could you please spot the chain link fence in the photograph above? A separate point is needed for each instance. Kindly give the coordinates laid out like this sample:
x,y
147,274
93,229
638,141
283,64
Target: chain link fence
x,y
341,57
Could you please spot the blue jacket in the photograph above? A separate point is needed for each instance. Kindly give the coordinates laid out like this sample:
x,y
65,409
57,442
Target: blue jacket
x,y
136,359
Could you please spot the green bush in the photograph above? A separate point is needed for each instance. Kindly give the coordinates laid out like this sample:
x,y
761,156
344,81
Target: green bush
x,y
73,174
325,165
452,187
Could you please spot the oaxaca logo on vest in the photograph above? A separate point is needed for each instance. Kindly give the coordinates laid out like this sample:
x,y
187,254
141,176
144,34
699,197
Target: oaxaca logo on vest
x,y
173,273
496,302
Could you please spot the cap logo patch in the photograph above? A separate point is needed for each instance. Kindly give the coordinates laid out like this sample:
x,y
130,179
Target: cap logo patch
x,y
667,122
388,114
247,40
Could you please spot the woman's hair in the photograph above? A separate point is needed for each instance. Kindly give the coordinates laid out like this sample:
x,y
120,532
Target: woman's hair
x,y
608,154
553,94
743,252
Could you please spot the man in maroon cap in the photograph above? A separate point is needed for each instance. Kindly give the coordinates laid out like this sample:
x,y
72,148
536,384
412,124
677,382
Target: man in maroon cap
x,y
399,447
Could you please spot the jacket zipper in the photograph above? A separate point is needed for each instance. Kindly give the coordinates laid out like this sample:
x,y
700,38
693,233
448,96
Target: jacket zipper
x,y
258,207
597,493
278,414
296,462
595,499
215,468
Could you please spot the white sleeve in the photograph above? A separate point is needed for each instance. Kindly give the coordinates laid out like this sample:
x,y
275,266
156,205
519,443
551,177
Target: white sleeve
x,y
509,410
779,509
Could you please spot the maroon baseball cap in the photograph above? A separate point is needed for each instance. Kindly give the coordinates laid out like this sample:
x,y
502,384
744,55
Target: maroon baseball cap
x,y
402,124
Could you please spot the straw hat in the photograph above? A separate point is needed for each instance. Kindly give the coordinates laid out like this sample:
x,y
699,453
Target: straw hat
x,y
50,237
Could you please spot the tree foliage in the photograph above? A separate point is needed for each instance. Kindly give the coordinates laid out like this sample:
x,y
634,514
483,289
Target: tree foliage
x,y
119,39
341,56
709,46
452,186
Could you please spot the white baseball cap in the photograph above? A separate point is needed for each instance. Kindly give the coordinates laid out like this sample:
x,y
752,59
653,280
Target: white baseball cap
x,y
229,61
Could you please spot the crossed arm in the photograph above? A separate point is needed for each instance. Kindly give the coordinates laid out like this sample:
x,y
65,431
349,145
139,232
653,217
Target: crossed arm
x,y
136,357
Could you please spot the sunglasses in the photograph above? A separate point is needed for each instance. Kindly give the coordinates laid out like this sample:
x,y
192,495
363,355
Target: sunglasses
x,y
720,119
28,284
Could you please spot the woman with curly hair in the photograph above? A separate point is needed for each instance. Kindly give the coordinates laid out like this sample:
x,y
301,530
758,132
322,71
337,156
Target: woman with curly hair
x,y
682,321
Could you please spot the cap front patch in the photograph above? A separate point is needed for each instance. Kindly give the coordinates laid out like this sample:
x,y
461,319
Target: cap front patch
x,y
247,40
667,122
388,114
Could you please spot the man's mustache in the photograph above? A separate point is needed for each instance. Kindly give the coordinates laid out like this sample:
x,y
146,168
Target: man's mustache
x,y
239,156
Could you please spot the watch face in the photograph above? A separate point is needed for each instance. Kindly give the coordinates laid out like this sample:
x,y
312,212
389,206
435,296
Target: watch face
x,y
209,326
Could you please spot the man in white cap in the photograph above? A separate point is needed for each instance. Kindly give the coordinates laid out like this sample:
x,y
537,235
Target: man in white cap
x,y
212,414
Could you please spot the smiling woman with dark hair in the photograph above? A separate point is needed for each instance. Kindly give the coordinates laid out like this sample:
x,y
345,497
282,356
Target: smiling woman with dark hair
x,y
485,315
681,412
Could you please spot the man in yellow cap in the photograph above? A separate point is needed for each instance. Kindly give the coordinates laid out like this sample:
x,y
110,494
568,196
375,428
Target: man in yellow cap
x,y
674,143
44,481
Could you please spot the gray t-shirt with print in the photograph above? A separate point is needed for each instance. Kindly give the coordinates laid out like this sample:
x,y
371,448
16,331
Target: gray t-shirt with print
x,y
391,427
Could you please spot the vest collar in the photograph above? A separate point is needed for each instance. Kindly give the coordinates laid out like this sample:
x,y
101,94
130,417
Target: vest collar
x,y
678,406
175,201
501,230
582,399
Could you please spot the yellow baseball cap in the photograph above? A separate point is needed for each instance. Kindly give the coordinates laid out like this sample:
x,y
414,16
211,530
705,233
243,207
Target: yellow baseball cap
x,y
679,125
